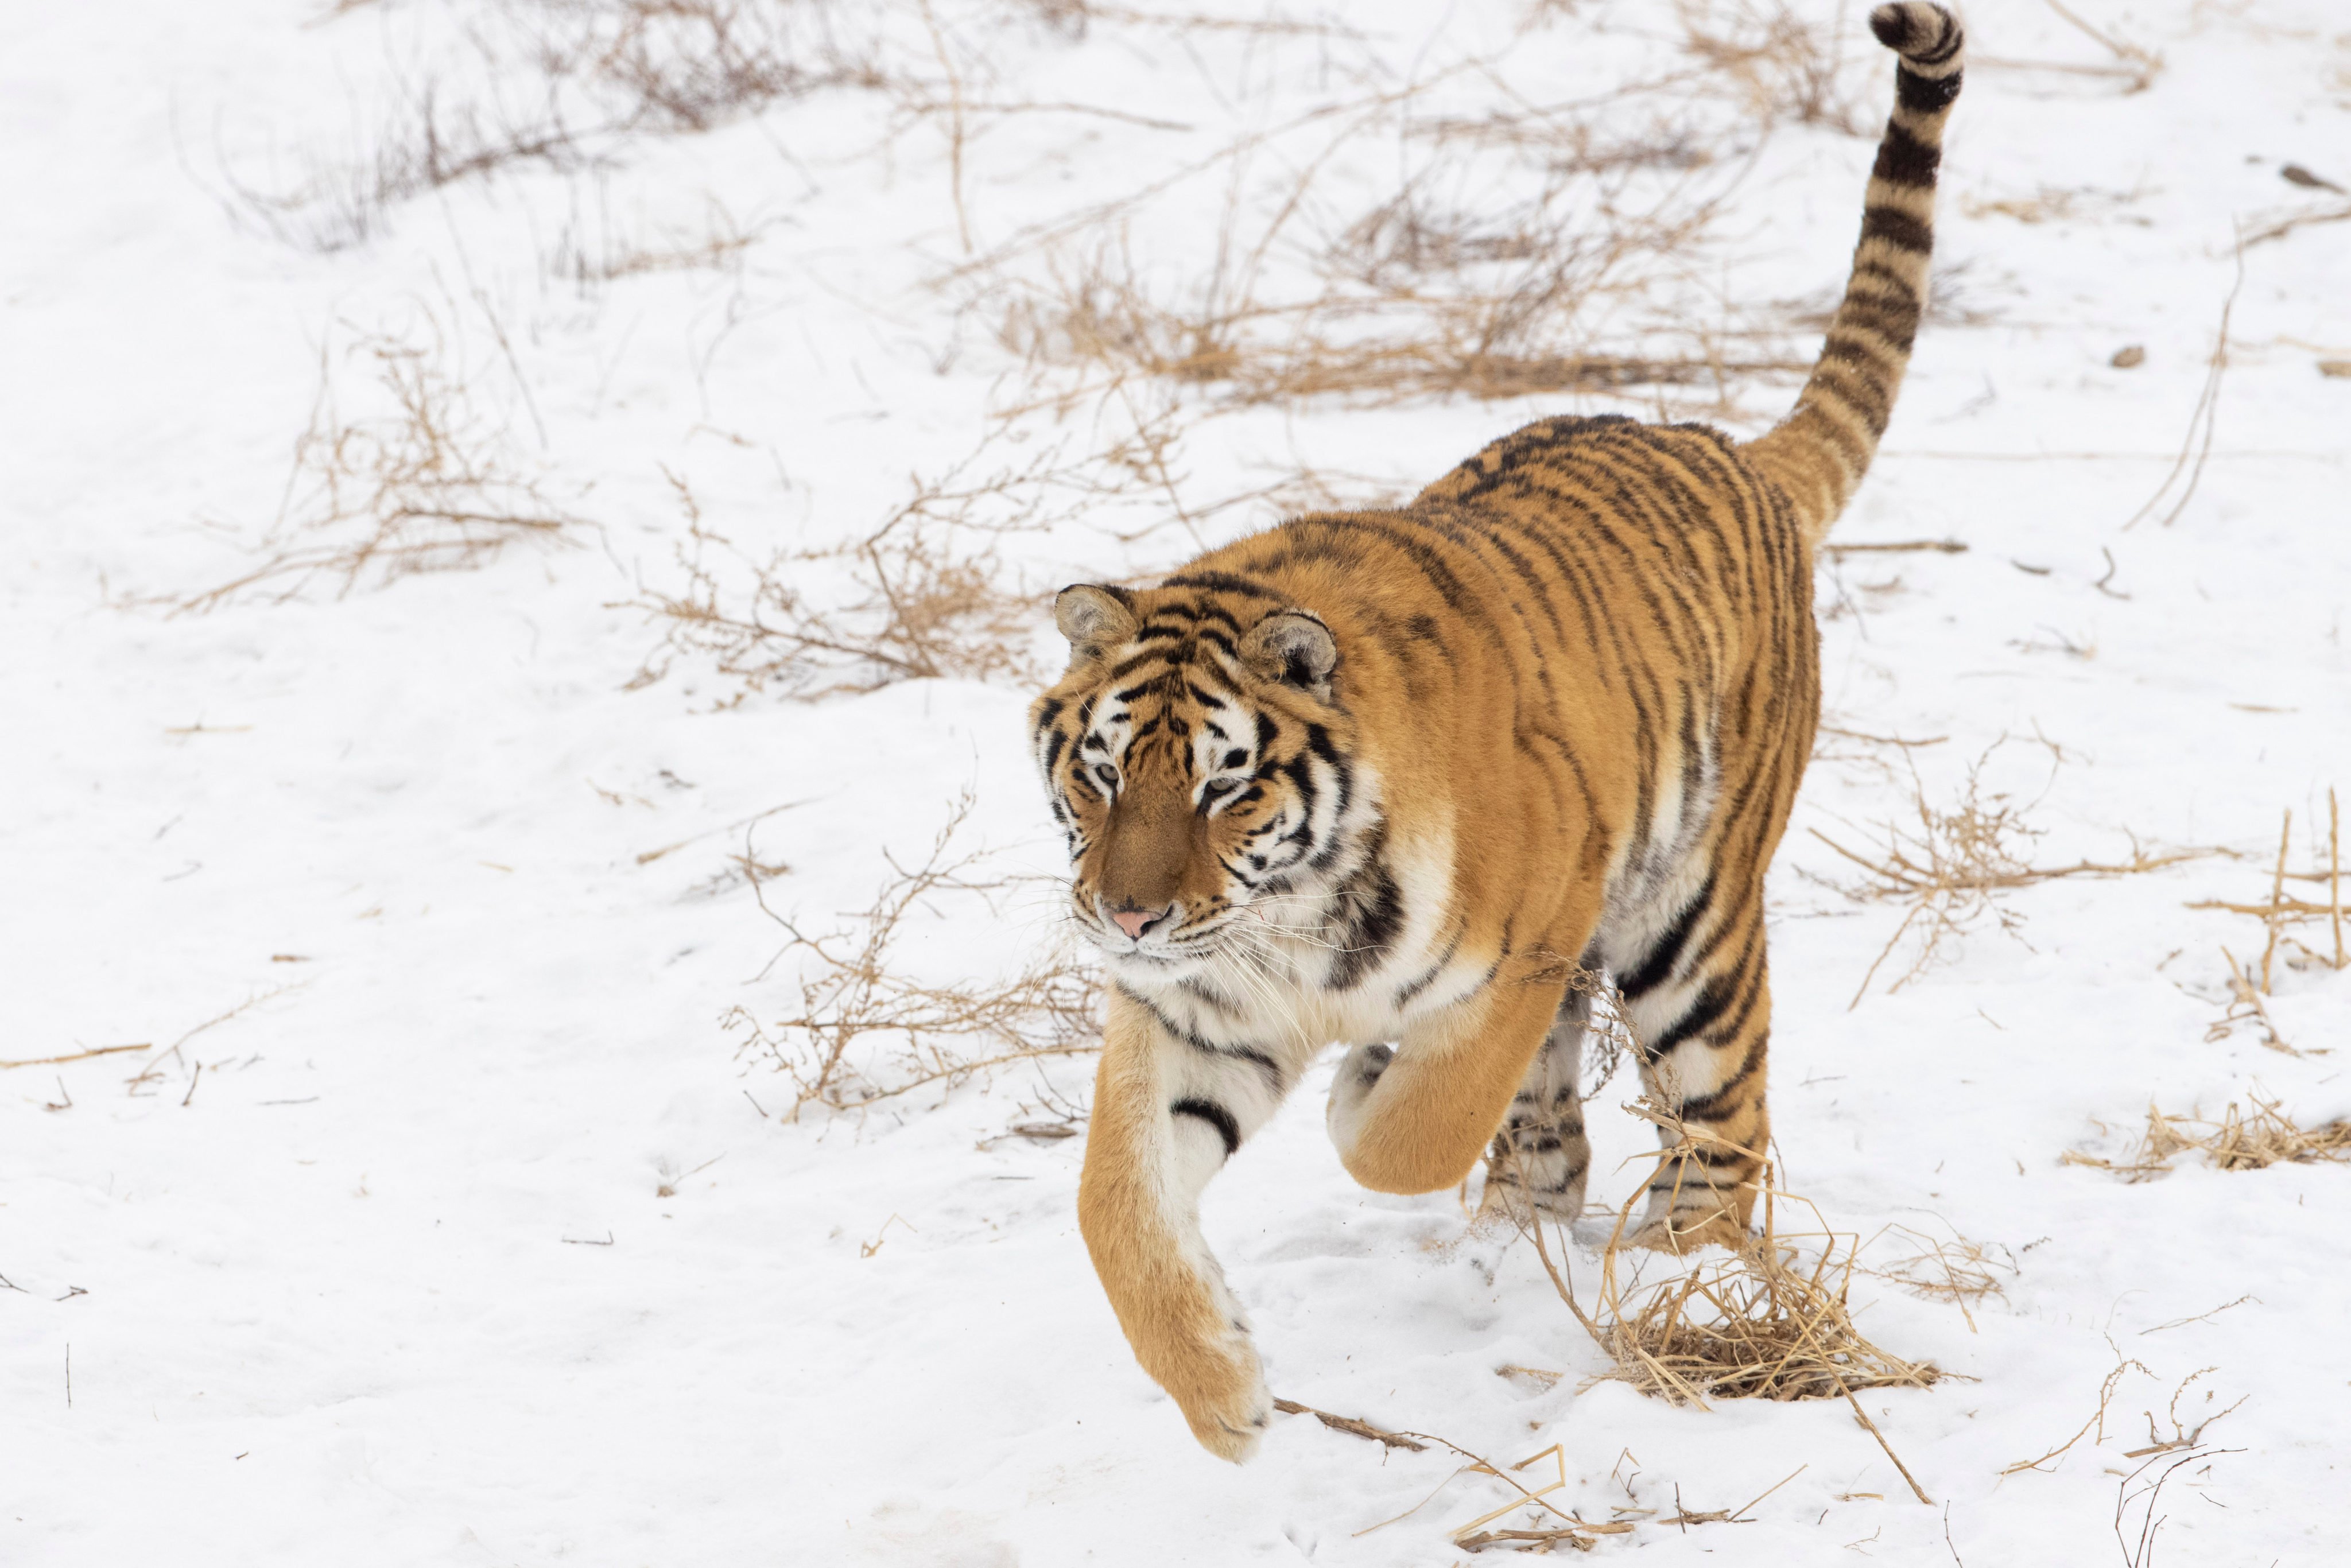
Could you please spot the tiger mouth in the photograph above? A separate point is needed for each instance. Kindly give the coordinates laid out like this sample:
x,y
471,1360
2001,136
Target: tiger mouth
x,y
1189,946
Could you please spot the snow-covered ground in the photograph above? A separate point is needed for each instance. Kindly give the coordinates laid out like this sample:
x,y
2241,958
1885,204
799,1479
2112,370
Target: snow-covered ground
x,y
435,1217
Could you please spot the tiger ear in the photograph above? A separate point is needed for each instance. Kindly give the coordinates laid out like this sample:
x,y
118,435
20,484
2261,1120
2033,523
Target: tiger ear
x,y
1093,617
1294,647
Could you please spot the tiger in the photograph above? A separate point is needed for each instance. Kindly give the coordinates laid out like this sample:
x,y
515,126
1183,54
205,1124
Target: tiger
x,y
1400,778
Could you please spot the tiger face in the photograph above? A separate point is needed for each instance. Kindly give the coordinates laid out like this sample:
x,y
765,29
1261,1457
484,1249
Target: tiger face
x,y
1195,755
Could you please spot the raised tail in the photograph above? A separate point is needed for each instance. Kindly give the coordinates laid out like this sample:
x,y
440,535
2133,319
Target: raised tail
x,y
1819,452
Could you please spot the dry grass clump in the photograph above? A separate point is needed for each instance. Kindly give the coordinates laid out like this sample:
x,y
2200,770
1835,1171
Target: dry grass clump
x,y
589,259
865,1032
1953,865
2239,1141
1752,1325
1958,1271
1755,1324
1410,302
423,484
923,595
928,592
2280,915
680,65
598,72
1535,247
1785,66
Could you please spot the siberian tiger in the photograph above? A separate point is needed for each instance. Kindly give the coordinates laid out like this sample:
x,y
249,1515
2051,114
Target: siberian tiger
x,y
1393,778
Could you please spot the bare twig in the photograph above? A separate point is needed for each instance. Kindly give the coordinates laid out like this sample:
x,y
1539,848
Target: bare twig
x,y
2196,448
1955,865
1350,1424
2334,872
2097,1421
74,1056
2277,896
2139,65
865,1032
2201,1317
1938,546
423,485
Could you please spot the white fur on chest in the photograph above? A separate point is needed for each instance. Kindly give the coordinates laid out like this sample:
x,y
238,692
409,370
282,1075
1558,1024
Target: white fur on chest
x,y
1270,986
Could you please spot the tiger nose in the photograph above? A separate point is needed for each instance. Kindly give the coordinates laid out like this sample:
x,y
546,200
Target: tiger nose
x,y
1136,922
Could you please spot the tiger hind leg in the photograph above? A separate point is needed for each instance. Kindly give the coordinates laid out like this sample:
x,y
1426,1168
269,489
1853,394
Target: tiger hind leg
x,y
1699,1003
1539,1161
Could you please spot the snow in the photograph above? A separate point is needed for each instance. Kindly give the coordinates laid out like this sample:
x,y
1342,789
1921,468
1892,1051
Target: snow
x,y
383,1247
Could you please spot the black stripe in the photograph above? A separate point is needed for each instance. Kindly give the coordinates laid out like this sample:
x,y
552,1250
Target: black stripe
x,y
1897,323
1412,989
1925,95
1258,1059
1897,228
1222,582
1716,1159
1905,160
1657,967
1216,1116
1372,916
1705,1106
1713,1002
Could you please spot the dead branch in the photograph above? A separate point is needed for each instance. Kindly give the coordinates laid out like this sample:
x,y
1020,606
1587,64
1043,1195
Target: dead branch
x,y
1955,865
865,1031
424,485
1350,1424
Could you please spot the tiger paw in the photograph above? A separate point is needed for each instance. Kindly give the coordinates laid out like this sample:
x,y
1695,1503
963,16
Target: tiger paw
x,y
1687,1232
1221,1391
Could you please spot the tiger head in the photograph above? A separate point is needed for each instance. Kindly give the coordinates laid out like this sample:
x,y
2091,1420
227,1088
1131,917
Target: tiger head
x,y
1198,755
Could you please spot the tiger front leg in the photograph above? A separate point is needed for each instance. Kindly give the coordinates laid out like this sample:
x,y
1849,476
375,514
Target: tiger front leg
x,y
1417,1117
1539,1161
1169,1110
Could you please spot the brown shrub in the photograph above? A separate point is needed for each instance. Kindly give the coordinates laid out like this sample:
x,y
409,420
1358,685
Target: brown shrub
x,y
864,1033
425,483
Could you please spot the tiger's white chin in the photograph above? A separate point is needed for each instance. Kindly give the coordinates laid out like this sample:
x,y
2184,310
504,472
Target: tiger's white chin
x,y
1151,964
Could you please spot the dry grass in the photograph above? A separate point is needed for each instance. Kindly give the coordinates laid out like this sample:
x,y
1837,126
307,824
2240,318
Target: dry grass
x,y
922,596
1785,66
1953,865
2096,1424
1409,302
589,259
1958,1271
2178,487
927,592
864,1032
2135,66
599,72
1535,248
2280,915
2239,1141
1756,1324
423,483
2129,68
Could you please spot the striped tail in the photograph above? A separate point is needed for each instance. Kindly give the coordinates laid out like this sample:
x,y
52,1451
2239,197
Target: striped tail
x,y
1819,453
